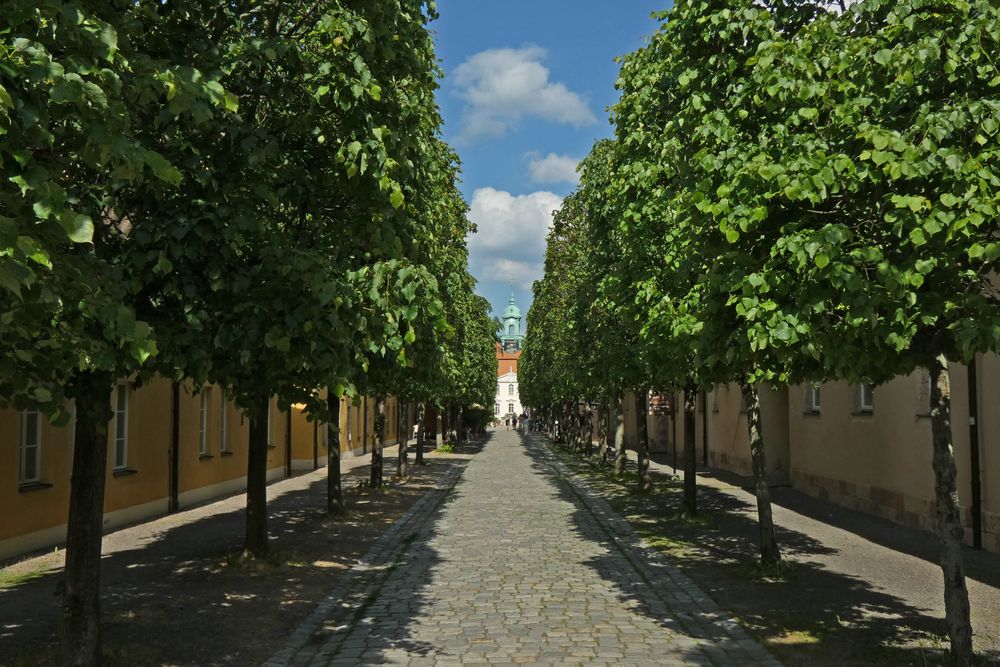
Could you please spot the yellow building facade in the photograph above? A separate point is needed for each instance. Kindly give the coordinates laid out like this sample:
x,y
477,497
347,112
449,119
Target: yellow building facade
x,y
862,447
211,457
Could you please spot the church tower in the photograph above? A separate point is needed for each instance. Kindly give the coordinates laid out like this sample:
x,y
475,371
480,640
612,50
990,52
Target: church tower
x,y
510,330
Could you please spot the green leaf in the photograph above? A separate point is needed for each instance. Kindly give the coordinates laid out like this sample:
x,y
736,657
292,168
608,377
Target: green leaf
x,y
162,168
79,228
396,199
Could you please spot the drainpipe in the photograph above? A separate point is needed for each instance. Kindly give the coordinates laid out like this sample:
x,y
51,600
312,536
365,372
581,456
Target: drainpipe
x,y
673,424
316,445
175,438
704,428
288,443
977,493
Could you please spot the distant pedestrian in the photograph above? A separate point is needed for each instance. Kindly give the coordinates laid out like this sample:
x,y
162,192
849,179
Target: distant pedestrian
x,y
507,422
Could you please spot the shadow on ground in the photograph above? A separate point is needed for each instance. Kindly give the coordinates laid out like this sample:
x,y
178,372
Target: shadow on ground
x,y
183,596
806,614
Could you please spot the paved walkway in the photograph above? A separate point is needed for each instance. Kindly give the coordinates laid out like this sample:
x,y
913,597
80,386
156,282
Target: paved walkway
x,y
518,564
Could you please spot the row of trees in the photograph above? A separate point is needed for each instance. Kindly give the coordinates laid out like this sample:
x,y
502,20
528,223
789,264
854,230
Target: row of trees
x,y
245,194
795,192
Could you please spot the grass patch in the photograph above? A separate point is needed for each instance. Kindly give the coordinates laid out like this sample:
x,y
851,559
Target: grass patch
x,y
11,579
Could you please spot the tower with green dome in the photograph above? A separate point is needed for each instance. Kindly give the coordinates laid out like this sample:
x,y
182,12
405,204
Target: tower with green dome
x,y
511,336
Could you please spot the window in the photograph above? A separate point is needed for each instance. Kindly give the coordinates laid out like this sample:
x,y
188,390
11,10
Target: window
x,y
864,399
497,408
812,398
510,389
510,408
203,424
120,426
510,330
31,445
923,408
224,425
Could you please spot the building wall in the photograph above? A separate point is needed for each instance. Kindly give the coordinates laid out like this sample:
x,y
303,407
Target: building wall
x,y
35,515
878,463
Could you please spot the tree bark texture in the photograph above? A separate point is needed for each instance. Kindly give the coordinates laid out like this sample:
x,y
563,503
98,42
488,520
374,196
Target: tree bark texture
x,y
81,602
378,443
403,440
645,483
418,458
621,455
334,490
949,515
690,453
769,553
255,536
589,429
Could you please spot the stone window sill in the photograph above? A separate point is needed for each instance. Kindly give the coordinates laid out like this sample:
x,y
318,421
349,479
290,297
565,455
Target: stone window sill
x,y
202,457
124,472
28,487
811,413
225,453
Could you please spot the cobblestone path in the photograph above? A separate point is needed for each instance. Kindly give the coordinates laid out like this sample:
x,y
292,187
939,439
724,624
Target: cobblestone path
x,y
519,564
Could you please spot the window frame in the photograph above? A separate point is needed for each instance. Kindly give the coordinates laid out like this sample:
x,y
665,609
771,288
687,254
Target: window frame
x,y
863,407
223,425
203,422
37,447
121,389
814,400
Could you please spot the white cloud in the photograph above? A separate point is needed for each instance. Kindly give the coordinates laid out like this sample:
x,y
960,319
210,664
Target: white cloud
x,y
509,243
512,272
501,86
554,169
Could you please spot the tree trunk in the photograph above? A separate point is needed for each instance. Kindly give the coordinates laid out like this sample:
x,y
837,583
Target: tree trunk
x,y
419,456
439,435
949,515
81,604
645,483
255,537
769,553
334,492
589,429
402,440
621,454
690,453
459,432
378,443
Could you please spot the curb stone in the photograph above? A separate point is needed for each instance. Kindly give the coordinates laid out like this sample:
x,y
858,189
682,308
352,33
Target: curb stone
x,y
364,577
689,603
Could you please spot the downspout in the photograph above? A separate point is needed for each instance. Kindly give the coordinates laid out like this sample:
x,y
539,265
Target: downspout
x,y
316,445
673,425
175,438
977,491
288,443
704,428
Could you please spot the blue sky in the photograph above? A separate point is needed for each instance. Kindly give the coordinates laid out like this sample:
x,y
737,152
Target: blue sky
x,y
525,94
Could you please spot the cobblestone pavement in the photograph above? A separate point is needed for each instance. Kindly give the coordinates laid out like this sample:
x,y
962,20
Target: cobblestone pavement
x,y
518,564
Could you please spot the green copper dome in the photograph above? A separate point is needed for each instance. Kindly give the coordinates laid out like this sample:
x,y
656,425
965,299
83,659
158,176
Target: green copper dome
x,y
511,310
